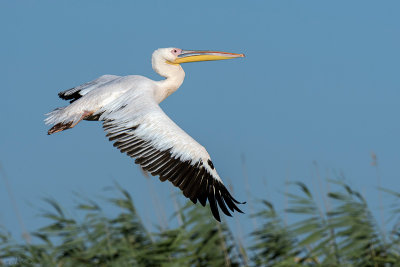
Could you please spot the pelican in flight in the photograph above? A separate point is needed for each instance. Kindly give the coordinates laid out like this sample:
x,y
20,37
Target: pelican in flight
x,y
129,108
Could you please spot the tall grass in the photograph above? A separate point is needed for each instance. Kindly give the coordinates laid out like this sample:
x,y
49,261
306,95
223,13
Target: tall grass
x,y
344,233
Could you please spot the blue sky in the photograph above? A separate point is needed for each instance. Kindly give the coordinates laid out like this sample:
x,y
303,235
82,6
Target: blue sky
x,y
320,82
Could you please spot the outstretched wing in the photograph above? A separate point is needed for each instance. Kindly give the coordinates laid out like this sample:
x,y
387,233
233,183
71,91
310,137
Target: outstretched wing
x,y
75,93
144,132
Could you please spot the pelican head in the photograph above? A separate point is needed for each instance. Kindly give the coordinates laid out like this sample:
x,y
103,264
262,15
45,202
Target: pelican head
x,y
166,62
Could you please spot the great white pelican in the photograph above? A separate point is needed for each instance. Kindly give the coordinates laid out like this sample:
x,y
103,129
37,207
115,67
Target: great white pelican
x,y
129,108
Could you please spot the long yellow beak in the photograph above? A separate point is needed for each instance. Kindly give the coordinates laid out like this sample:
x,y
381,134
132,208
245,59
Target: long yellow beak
x,y
195,56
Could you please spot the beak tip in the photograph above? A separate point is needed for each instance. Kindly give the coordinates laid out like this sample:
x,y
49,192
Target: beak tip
x,y
242,55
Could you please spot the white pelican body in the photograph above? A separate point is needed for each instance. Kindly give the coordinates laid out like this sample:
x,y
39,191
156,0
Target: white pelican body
x,y
133,120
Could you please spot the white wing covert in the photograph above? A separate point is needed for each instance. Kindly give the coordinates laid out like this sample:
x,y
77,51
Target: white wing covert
x,y
75,93
143,131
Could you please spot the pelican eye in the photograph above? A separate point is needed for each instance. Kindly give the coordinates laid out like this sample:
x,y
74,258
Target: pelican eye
x,y
175,52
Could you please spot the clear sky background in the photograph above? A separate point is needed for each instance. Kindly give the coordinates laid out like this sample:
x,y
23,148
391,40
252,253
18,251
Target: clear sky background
x,y
320,82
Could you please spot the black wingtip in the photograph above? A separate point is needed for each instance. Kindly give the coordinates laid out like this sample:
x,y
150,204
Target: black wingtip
x,y
221,204
202,199
213,203
219,196
237,209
